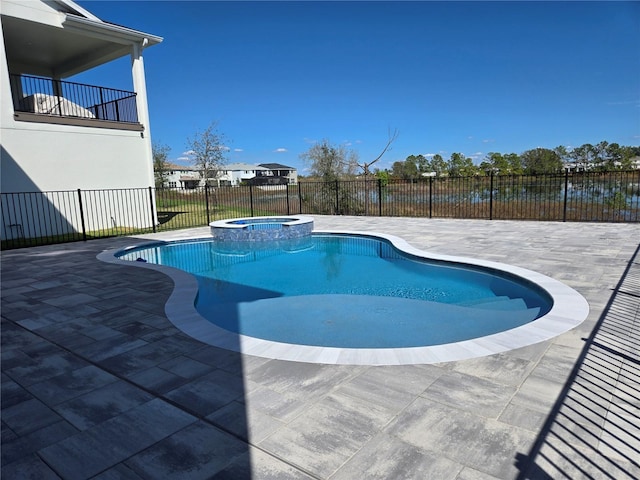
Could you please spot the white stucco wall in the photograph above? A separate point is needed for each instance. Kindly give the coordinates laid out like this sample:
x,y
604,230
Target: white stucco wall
x,y
45,157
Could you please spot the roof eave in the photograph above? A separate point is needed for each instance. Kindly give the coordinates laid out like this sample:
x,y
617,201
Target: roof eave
x,y
109,31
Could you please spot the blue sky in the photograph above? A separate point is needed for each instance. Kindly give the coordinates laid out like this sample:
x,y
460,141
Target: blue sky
x,y
468,77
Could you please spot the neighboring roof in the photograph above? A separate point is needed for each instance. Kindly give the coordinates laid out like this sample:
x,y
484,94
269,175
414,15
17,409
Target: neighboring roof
x,y
61,39
241,166
186,168
276,166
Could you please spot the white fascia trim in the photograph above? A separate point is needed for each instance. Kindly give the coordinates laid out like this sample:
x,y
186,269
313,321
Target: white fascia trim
x,y
77,8
109,31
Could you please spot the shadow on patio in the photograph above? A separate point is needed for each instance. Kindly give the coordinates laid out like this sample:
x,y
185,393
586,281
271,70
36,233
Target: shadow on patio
x,y
593,430
97,381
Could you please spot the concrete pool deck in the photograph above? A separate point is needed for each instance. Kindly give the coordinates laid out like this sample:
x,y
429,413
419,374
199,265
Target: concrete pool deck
x,y
97,383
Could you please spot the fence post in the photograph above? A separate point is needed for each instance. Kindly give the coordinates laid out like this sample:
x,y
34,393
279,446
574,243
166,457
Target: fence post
x,y
566,191
430,197
491,197
288,209
251,198
299,199
379,197
153,217
84,231
206,200
337,198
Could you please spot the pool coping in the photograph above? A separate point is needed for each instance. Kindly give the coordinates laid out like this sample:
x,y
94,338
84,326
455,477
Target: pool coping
x,y
569,310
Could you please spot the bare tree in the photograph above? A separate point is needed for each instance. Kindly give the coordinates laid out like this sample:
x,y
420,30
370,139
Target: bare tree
x,y
207,150
366,166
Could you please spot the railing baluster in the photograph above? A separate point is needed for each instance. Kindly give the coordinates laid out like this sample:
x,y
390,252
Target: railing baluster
x,y
71,99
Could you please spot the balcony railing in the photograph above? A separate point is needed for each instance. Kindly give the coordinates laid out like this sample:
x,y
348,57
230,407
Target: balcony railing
x,y
47,96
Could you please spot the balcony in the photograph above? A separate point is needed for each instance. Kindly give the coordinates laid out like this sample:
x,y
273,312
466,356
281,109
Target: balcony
x,y
46,100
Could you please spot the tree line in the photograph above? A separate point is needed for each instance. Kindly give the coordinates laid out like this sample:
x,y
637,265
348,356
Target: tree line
x,y
328,162
603,156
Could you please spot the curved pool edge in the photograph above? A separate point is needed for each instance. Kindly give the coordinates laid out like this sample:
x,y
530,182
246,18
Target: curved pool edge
x,y
569,310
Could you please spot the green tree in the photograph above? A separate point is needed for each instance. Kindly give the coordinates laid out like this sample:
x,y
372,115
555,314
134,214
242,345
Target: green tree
x,y
160,153
541,160
438,165
563,153
208,152
514,163
424,165
330,162
461,166
495,162
584,156
406,170
383,176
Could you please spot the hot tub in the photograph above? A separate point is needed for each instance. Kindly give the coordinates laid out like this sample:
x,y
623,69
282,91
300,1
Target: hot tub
x,y
259,229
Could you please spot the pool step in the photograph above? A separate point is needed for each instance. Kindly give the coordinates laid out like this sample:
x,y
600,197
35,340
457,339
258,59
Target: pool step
x,y
361,321
496,303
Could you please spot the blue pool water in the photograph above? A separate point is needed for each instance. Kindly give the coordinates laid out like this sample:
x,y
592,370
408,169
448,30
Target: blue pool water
x,y
347,291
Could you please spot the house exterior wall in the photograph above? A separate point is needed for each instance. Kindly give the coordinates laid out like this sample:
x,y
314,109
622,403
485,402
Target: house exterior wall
x,y
42,157
182,177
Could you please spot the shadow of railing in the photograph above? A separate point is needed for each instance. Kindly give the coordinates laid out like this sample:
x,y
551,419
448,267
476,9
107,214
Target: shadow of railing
x,y
593,430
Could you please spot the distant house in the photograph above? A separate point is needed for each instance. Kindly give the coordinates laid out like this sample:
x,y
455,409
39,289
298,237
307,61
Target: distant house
x,y
59,135
234,174
231,175
182,177
282,171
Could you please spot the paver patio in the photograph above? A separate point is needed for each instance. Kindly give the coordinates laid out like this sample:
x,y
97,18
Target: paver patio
x,y
97,383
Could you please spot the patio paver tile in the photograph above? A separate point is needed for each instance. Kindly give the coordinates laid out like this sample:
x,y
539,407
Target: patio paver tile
x,y
489,446
29,416
198,451
322,421
102,404
84,455
209,393
386,457
71,384
29,467
16,448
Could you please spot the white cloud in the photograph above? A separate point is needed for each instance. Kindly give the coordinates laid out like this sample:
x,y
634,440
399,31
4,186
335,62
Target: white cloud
x,y
189,152
183,159
489,140
238,150
280,150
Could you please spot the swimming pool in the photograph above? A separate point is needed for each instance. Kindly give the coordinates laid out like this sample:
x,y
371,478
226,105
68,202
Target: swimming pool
x,y
238,305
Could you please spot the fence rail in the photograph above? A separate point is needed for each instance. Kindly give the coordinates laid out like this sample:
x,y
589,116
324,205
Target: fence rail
x,y
38,218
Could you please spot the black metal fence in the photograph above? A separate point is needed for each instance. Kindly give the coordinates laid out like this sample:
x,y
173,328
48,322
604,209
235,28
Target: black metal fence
x,y
48,96
37,218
